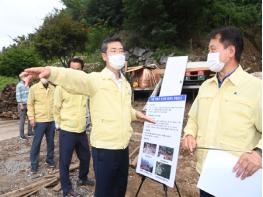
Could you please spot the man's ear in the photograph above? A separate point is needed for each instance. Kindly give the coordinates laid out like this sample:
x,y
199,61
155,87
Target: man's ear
x,y
104,56
232,51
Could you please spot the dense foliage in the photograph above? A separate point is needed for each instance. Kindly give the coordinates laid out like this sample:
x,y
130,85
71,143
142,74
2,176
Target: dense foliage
x,y
60,37
157,24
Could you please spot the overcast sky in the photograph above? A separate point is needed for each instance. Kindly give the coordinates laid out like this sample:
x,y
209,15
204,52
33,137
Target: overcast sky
x,y
20,17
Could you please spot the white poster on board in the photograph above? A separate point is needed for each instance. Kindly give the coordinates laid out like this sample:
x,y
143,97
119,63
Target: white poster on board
x,y
174,76
160,142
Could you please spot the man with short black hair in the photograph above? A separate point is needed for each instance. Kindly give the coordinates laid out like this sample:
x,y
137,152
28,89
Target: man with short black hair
x,y
70,118
111,114
76,63
226,113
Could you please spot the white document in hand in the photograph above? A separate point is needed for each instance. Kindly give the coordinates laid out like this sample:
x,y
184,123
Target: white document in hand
x,y
218,179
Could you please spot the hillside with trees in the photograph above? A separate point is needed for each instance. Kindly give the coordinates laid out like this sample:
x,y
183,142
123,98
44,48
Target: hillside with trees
x,y
162,26
152,30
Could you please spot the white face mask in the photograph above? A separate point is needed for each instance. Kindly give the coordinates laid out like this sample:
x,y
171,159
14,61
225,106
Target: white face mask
x,y
214,63
117,61
44,81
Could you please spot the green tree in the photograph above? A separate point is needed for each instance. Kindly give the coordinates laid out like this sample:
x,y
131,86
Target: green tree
x,y
169,22
143,19
15,59
245,14
107,12
60,37
92,12
77,9
96,35
164,22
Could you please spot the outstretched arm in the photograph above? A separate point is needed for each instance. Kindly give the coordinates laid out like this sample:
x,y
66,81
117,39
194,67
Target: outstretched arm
x,y
74,81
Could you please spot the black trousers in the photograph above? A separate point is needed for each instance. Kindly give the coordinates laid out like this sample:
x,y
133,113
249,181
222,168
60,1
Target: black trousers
x,y
111,171
205,194
68,142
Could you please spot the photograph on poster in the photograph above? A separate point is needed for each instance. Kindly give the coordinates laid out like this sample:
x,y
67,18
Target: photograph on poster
x,y
166,153
163,170
147,164
149,148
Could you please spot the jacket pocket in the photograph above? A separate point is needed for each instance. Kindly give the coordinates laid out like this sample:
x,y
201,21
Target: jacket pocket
x,y
204,100
238,107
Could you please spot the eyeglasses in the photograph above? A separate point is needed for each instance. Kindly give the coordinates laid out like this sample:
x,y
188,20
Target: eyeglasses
x,y
116,51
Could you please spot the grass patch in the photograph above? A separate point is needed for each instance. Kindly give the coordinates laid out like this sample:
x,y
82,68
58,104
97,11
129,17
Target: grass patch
x,y
6,80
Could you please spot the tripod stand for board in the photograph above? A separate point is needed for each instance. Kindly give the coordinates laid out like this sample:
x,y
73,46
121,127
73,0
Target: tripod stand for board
x,y
165,189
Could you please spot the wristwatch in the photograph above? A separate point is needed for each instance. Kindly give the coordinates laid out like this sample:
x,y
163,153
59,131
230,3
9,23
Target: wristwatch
x,y
258,150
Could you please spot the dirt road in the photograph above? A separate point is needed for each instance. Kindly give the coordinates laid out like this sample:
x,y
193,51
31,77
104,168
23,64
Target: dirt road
x,y
15,167
9,129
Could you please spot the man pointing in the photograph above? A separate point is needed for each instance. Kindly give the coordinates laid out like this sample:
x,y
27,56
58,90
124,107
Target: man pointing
x,y
111,114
